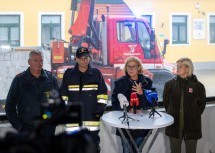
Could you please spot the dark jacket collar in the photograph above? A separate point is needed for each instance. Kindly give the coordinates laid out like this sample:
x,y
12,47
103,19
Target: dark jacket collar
x,y
192,78
89,70
30,77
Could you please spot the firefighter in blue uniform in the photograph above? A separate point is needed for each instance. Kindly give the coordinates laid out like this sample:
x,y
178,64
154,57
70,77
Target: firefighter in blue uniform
x,y
28,91
86,85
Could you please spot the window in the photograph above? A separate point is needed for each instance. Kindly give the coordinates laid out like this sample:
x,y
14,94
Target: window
x,y
126,31
148,19
51,28
109,1
9,30
144,39
179,29
212,28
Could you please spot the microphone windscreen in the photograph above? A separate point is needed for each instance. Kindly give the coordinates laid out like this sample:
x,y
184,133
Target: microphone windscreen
x,y
123,100
151,95
134,100
133,95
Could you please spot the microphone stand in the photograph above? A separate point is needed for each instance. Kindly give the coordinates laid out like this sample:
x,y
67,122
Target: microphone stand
x,y
125,116
135,108
153,111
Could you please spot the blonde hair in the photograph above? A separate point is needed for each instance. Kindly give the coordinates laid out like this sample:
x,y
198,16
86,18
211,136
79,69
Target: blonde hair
x,y
134,59
188,63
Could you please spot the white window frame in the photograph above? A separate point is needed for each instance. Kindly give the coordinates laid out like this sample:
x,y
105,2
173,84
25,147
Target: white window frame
x,y
153,17
188,28
21,14
62,14
208,27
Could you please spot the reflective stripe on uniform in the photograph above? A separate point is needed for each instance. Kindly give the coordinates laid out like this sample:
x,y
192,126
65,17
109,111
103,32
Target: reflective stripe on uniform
x,y
90,125
73,87
72,125
65,98
91,128
91,86
102,98
85,123
88,89
70,129
102,101
85,87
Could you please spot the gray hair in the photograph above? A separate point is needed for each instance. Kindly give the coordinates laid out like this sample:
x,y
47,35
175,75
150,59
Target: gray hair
x,y
188,63
35,52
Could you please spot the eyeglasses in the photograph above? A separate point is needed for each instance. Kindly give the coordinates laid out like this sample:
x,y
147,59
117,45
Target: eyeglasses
x,y
132,67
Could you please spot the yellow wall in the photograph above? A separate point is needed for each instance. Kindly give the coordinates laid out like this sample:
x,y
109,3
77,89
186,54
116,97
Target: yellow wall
x,y
198,50
31,9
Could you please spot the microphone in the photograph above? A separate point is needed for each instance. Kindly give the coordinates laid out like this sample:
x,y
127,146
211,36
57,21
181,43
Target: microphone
x,y
134,101
123,100
123,104
151,96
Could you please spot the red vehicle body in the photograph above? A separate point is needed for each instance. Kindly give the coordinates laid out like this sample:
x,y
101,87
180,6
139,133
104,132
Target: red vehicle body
x,y
111,40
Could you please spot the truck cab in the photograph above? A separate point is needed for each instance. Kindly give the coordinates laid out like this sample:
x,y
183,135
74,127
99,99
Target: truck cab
x,y
111,40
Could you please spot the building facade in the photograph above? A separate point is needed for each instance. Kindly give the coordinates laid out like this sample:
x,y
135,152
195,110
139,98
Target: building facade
x,y
189,25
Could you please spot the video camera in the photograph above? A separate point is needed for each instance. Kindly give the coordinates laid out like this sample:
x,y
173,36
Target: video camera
x,y
53,112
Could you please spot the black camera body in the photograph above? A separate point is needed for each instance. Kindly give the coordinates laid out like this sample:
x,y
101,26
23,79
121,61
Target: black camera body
x,y
53,112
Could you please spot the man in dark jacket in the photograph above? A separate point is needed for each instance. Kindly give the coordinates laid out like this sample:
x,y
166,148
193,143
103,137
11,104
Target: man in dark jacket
x,y
86,85
27,92
185,99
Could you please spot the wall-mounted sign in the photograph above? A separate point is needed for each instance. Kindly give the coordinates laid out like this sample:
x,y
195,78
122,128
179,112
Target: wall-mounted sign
x,y
198,29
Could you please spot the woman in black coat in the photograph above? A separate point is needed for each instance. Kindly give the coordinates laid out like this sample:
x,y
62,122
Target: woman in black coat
x,y
185,99
133,81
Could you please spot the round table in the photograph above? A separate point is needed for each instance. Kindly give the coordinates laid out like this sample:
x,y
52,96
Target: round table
x,y
141,120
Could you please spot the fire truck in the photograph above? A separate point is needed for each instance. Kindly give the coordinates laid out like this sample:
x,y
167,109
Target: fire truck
x,y
111,40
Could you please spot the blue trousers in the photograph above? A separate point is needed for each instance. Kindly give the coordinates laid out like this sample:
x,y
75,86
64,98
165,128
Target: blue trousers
x,y
138,141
